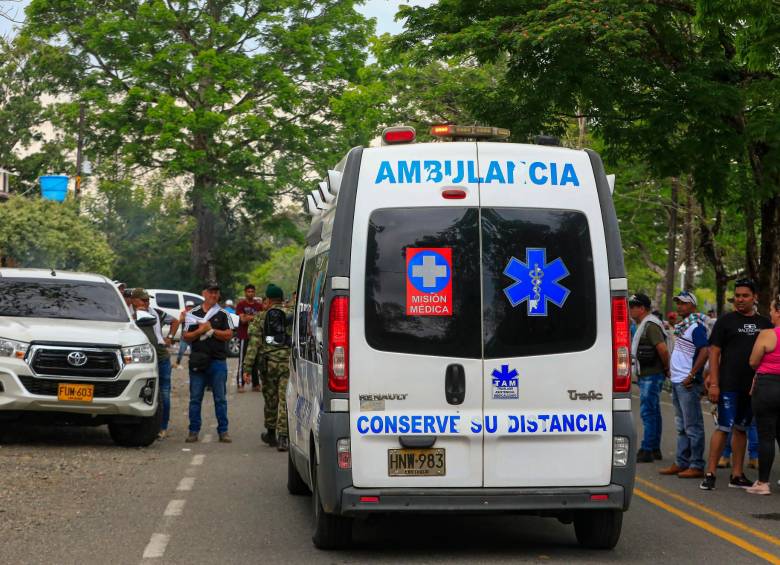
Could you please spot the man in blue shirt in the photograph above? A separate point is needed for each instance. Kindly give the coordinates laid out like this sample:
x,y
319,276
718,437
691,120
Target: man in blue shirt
x,y
691,349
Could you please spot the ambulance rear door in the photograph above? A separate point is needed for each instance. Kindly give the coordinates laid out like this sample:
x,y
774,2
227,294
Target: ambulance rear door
x,y
546,308
415,322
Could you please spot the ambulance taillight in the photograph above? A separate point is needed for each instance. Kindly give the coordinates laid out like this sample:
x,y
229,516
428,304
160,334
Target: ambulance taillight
x,y
621,345
397,135
338,345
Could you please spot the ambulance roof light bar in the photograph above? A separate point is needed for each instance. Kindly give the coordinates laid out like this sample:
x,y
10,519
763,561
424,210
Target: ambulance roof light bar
x,y
312,206
453,132
398,135
334,181
326,194
320,203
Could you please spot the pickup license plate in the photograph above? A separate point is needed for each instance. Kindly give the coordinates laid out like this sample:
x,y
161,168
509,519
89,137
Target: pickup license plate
x,y
416,462
79,393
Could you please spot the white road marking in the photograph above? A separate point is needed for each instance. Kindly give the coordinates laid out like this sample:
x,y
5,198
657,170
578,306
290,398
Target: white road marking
x,y
207,438
186,483
175,508
198,459
156,546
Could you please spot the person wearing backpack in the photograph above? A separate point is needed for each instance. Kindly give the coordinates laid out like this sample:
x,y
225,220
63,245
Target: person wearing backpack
x,y
269,339
651,358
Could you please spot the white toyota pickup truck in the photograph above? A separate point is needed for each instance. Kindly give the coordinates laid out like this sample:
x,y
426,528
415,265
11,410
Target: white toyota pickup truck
x,y
70,353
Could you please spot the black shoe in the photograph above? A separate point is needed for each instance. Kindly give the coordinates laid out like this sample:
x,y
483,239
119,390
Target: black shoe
x,y
284,443
708,483
657,455
740,482
269,437
643,456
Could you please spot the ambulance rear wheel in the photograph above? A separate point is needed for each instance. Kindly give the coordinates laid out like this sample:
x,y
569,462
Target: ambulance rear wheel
x,y
330,531
598,529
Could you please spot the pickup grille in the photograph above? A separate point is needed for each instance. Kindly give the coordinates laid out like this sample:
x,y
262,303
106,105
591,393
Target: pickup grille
x,y
99,364
45,387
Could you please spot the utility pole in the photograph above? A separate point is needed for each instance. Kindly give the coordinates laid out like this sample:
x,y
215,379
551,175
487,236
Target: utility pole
x,y
80,150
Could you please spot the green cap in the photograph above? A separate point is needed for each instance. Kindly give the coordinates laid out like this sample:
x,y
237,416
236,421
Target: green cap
x,y
139,293
273,291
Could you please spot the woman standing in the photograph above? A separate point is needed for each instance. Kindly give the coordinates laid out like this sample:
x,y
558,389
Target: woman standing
x,y
765,358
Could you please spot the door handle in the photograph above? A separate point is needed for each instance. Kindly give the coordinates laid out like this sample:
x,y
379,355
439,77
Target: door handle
x,y
455,384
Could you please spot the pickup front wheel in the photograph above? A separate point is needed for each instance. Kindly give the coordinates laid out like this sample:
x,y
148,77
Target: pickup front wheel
x,y
139,433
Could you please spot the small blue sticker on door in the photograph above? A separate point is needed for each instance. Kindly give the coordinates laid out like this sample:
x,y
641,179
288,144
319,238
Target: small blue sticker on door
x,y
505,384
536,281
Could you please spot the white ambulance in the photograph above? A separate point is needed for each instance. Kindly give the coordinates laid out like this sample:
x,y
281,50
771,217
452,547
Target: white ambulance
x,y
461,338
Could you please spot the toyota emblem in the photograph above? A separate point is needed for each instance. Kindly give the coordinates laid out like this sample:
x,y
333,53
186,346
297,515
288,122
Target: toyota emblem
x,y
77,358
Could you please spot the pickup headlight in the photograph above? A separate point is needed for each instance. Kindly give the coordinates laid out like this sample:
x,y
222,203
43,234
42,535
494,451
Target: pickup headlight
x,y
138,354
13,348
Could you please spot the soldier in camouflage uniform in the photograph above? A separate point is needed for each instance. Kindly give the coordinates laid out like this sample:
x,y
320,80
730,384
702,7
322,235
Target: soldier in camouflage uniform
x,y
275,370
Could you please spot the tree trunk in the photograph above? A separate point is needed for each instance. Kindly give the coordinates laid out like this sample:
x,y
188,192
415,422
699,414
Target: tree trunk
x,y
582,126
751,244
671,246
690,265
204,245
713,254
770,253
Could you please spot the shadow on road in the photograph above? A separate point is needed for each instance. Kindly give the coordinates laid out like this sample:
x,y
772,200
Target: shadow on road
x,y
54,435
420,538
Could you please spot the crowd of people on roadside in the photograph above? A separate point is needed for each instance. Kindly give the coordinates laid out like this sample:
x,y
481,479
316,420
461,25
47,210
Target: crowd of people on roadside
x,y
206,330
734,362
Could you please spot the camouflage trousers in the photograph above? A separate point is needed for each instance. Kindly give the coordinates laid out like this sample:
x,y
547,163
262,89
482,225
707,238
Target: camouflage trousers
x,y
274,389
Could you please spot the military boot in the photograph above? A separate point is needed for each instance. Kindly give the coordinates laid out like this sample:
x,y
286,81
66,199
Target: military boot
x,y
284,443
269,437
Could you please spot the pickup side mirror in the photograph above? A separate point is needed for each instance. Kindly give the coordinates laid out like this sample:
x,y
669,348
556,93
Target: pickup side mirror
x,y
144,319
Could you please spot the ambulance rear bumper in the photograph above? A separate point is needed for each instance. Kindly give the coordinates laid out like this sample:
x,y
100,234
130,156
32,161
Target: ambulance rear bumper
x,y
552,501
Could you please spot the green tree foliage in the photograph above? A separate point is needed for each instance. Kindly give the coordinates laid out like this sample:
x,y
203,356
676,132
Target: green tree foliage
x,y
41,233
678,85
281,269
149,231
29,70
393,91
232,95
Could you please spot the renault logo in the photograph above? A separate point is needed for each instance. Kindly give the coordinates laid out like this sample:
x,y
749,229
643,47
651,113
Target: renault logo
x,y
77,358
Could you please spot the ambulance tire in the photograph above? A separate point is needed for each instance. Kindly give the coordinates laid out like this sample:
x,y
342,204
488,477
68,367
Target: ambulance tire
x,y
598,529
330,531
295,484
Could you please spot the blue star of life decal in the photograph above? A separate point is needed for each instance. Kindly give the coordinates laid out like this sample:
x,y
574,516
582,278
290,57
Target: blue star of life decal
x,y
505,385
505,376
536,281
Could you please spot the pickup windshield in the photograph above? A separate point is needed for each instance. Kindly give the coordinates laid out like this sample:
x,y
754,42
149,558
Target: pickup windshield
x,y
62,299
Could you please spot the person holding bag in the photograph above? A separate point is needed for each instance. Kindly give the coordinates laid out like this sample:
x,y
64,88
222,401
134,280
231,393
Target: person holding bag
x,y
208,328
765,397
651,365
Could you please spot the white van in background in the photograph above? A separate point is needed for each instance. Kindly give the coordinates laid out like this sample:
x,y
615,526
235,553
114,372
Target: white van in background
x,y
461,339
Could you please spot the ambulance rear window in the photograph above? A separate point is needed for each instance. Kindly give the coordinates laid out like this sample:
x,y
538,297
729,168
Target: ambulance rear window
x,y
443,318
539,290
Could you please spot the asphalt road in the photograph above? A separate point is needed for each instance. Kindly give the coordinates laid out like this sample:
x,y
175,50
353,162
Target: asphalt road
x,y
71,496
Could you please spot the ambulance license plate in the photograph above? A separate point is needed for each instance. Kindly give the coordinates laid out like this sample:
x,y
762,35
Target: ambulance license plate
x,y
79,393
416,462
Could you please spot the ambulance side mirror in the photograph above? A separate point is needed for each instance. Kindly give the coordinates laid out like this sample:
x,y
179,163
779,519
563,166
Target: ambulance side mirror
x,y
611,183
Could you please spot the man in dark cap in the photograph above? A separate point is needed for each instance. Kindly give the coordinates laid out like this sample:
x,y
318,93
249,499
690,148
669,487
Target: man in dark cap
x,y
208,329
651,357
140,301
269,339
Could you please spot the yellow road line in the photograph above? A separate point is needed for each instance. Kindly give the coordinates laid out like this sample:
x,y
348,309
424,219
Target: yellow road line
x,y
714,513
739,542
